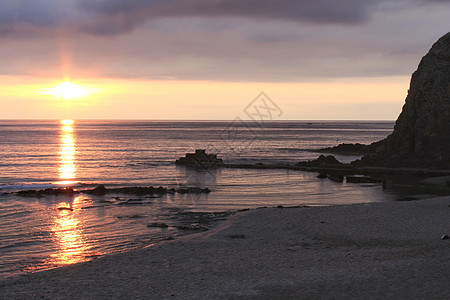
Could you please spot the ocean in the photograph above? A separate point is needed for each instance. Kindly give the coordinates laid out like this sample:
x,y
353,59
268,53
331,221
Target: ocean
x,y
35,235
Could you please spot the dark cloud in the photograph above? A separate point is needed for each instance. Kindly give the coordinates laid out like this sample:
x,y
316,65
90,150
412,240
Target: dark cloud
x,y
107,17
330,11
112,17
125,15
219,40
33,12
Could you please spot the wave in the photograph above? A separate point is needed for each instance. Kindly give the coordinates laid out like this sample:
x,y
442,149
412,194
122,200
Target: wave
x,y
34,186
294,149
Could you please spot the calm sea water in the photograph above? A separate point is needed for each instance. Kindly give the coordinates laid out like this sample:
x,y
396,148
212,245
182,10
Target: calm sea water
x,y
35,235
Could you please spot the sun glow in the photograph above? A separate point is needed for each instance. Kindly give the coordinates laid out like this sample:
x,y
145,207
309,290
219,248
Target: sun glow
x,y
68,91
67,122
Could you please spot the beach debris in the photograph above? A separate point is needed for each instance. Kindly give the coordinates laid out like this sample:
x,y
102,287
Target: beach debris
x,y
445,237
280,206
200,159
158,225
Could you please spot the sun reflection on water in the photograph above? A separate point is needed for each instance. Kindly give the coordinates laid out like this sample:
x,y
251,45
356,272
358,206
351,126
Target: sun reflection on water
x,y
67,232
67,152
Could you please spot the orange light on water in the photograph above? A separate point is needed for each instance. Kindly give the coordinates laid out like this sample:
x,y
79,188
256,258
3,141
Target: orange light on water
x,y
67,231
67,128
67,152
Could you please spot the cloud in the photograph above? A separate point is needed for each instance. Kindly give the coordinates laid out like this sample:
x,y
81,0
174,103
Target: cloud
x,y
224,40
109,17
114,17
344,11
126,15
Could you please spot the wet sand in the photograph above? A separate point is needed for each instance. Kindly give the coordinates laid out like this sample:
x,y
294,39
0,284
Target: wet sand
x,y
371,251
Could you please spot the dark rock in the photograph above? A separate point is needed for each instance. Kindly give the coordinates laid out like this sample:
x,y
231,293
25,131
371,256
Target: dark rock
x,y
161,190
322,161
327,160
193,190
421,136
363,179
138,190
47,192
131,202
322,176
353,149
98,191
336,178
65,208
158,224
92,206
200,159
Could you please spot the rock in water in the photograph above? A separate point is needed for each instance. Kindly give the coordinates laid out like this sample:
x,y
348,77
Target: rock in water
x,y
421,136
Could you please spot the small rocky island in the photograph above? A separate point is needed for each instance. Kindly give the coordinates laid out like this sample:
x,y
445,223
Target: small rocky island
x,y
200,159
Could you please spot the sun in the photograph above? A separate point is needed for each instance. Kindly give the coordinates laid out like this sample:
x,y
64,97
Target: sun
x,y
68,91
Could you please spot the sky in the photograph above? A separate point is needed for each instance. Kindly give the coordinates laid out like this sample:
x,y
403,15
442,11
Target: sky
x,y
210,59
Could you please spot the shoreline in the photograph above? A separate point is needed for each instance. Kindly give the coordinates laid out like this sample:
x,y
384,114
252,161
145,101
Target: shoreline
x,y
373,250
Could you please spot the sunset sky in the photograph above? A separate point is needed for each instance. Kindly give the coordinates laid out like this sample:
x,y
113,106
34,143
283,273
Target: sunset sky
x,y
208,59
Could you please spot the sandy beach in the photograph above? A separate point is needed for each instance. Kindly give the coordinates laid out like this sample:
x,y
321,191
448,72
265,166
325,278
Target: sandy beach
x,y
371,251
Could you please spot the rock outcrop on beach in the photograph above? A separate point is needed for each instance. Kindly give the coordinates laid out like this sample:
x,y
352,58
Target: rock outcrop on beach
x,y
352,149
421,136
101,190
322,161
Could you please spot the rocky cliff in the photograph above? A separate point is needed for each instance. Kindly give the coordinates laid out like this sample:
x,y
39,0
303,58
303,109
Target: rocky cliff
x,y
421,136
